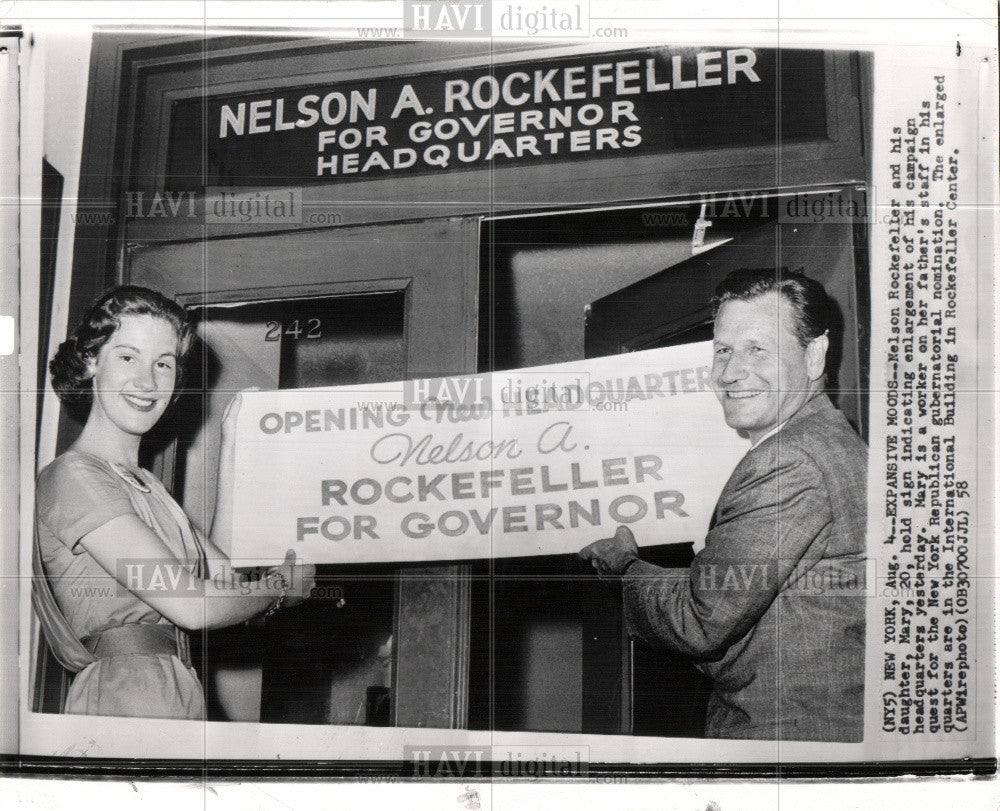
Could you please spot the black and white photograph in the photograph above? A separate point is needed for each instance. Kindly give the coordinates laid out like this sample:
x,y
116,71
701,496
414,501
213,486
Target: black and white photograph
x,y
483,394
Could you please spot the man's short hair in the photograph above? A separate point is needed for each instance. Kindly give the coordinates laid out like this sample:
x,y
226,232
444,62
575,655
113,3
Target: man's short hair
x,y
815,312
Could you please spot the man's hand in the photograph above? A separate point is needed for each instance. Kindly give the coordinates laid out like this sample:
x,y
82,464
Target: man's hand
x,y
611,556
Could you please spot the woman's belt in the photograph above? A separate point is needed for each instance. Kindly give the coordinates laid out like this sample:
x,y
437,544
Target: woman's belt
x,y
144,638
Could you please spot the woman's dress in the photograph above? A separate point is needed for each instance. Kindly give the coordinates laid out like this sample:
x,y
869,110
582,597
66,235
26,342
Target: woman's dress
x,y
76,494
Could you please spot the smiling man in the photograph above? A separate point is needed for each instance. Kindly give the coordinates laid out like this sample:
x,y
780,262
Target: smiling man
x,y
772,610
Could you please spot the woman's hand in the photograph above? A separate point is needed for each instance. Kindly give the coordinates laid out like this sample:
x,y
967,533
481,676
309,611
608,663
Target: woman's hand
x,y
304,581
300,579
220,534
231,414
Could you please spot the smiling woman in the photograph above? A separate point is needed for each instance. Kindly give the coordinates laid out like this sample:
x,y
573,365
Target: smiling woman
x,y
133,377
100,518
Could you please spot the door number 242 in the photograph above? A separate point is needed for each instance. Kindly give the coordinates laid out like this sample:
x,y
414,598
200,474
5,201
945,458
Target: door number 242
x,y
294,330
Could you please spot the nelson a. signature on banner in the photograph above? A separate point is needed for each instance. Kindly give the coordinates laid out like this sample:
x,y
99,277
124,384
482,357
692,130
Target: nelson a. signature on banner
x,y
533,461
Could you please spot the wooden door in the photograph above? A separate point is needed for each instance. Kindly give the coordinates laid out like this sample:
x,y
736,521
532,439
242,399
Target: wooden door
x,y
326,307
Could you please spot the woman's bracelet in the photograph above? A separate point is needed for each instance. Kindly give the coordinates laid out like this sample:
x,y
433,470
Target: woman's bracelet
x,y
281,597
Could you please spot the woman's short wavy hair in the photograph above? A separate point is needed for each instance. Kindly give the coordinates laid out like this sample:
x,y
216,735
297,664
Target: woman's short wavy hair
x,y
70,368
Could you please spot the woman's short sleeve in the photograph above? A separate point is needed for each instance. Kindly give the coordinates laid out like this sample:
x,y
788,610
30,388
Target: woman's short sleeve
x,y
76,495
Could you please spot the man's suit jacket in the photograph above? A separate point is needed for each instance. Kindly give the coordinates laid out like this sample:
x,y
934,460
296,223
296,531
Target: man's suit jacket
x,y
773,609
